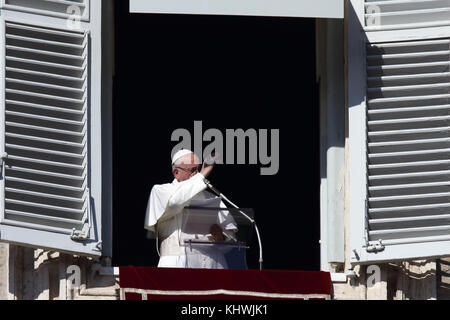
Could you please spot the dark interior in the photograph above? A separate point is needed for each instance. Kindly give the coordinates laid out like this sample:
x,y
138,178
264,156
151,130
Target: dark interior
x,y
229,72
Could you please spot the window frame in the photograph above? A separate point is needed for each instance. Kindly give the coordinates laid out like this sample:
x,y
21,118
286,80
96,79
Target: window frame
x,y
271,8
357,37
46,240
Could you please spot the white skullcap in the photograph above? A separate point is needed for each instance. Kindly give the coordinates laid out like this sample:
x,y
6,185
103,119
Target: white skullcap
x,y
179,154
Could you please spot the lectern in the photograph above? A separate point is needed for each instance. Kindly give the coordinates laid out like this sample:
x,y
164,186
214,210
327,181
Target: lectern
x,y
212,231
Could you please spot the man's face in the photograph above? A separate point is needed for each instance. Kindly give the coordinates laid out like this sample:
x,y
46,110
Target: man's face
x,y
189,166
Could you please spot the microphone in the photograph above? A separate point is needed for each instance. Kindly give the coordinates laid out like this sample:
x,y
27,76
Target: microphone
x,y
213,189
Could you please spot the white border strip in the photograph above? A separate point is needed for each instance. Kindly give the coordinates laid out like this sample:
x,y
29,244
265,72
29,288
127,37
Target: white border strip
x,y
145,292
271,8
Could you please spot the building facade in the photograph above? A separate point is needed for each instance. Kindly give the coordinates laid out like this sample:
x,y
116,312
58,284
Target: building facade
x,y
56,61
384,77
384,199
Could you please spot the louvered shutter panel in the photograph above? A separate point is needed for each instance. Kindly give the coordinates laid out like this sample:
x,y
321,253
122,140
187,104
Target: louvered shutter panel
x,y
403,13
61,8
399,135
45,127
45,133
408,140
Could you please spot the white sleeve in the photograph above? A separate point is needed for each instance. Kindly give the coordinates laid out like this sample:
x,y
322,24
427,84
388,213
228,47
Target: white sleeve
x,y
156,206
183,193
165,202
226,219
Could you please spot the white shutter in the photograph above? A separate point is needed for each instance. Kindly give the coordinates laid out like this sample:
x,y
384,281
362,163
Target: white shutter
x,y
59,8
399,132
404,13
408,103
46,137
45,127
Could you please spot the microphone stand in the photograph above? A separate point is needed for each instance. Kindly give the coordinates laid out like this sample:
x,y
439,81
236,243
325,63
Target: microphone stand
x,y
221,195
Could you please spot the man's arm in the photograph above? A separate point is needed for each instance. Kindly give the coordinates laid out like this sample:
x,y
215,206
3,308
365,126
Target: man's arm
x,y
187,189
166,202
184,192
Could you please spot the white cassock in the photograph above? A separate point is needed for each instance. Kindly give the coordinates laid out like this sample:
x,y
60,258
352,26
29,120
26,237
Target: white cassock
x,y
164,217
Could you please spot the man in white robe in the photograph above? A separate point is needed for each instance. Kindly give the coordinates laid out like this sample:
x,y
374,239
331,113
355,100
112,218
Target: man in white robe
x,y
164,215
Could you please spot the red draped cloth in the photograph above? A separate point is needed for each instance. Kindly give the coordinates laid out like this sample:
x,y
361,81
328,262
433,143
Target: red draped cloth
x,y
150,283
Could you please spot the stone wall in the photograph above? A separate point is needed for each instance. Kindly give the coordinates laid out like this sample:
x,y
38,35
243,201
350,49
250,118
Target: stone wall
x,y
406,280
36,274
3,271
443,275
